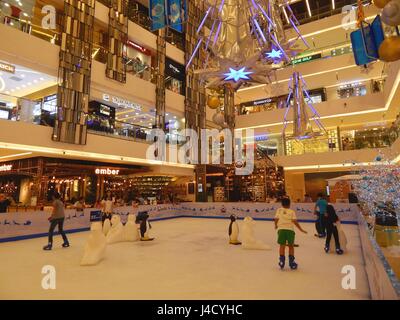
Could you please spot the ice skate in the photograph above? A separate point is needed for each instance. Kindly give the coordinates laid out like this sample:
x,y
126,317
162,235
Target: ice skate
x,y
292,264
281,262
48,247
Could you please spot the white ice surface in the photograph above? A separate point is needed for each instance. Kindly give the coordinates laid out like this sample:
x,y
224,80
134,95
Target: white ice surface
x,y
189,259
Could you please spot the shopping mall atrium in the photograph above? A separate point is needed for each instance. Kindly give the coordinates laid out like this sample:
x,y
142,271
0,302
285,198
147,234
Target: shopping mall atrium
x,y
169,139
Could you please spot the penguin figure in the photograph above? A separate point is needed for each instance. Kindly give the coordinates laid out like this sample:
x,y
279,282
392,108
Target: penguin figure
x,y
144,225
95,246
233,231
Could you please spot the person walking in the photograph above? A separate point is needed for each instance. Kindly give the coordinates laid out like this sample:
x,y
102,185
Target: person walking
x,y
57,219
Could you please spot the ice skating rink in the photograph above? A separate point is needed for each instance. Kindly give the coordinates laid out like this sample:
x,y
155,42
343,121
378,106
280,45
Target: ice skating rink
x,y
189,259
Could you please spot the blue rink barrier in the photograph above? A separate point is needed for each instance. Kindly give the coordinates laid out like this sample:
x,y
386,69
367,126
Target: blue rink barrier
x,y
16,226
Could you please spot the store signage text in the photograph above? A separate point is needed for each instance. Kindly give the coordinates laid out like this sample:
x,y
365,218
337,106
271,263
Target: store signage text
x,y
7,67
264,101
173,68
136,46
6,167
122,102
106,171
306,59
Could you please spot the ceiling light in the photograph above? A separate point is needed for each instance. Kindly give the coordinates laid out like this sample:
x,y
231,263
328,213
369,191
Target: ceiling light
x,y
23,86
16,155
333,5
35,81
11,23
167,114
22,76
17,88
25,14
29,83
6,4
7,92
12,90
41,78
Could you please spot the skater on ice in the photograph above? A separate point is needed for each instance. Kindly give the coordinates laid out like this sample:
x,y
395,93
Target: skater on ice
x,y
285,220
332,228
57,219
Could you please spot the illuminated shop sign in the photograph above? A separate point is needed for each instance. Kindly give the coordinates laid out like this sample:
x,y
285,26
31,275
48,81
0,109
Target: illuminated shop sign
x,y
263,101
174,69
6,167
122,102
306,59
7,67
138,47
106,171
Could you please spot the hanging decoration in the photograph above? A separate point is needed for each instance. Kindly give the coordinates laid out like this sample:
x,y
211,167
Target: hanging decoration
x,y
244,41
369,43
302,125
379,186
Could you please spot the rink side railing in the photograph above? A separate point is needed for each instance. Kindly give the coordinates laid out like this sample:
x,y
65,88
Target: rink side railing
x,y
382,280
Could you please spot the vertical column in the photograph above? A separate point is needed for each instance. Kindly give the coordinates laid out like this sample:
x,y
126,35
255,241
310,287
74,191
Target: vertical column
x,y
160,79
195,98
74,71
118,36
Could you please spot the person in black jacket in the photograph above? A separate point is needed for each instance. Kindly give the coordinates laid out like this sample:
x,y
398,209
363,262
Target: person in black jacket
x,y
331,218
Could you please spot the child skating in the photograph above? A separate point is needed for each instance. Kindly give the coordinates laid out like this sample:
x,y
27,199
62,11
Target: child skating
x,y
285,220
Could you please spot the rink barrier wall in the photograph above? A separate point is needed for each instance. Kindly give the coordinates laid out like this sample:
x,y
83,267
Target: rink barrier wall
x,y
32,224
382,280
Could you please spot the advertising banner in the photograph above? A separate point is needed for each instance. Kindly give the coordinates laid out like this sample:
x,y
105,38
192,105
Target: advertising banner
x,y
157,14
176,14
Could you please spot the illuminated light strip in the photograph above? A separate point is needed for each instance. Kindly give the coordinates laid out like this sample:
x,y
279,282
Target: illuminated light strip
x,y
327,166
16,155
348,24
305,76
396,84
308,8
286,16
90,155
333,5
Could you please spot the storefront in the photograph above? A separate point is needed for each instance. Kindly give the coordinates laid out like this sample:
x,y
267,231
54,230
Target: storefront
x,y
267,104
174,76
139,60
27,95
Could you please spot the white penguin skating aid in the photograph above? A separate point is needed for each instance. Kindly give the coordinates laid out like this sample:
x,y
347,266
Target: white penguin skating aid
x,y
131,232
116,233
342,239
106,226
95,246
248,239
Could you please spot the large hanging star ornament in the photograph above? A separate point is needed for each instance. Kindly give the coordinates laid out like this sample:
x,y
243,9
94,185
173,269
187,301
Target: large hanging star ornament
x,y
274,54
237,75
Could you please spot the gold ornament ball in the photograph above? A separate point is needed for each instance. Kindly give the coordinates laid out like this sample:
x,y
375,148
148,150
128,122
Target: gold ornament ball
x,y
389,50
213,102
381,3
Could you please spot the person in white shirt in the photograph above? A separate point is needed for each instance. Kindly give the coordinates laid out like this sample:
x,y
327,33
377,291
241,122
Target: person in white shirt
x,y
107,206
285,220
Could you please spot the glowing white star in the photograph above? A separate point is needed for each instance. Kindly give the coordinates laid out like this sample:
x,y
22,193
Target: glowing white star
x,y
237,75
274,54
